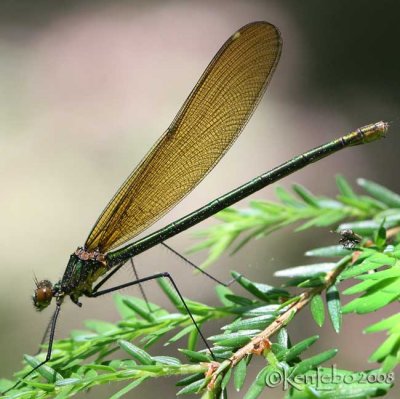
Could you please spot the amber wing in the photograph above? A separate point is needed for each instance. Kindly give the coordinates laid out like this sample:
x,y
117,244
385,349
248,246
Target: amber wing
x,y
206,126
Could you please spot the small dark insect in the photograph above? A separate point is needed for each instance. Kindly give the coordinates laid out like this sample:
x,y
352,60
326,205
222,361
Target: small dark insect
x,y
349,239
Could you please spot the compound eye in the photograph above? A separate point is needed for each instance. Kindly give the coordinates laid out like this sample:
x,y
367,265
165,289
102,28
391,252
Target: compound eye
x,y
43,294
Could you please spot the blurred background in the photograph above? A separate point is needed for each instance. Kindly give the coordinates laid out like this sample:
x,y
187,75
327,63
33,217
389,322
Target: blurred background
x,y
88,86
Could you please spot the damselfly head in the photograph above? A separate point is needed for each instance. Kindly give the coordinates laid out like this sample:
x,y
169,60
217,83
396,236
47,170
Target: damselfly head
x,y
43,294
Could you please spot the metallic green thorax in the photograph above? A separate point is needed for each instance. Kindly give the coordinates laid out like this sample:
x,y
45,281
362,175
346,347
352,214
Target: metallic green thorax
x,y
79,277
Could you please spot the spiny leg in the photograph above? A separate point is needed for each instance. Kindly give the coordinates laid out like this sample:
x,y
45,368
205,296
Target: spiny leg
x,y
95,294
46,333
115,270
52,324
109,275
140,286
190,263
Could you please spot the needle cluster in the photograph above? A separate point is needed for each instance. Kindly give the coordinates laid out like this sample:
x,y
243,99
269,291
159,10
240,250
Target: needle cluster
x,y
257,317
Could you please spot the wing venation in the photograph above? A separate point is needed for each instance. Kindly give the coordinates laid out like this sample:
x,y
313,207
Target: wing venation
x,y
206,126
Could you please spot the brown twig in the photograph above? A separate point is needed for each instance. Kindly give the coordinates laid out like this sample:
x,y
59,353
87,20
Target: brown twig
x,y
260,342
